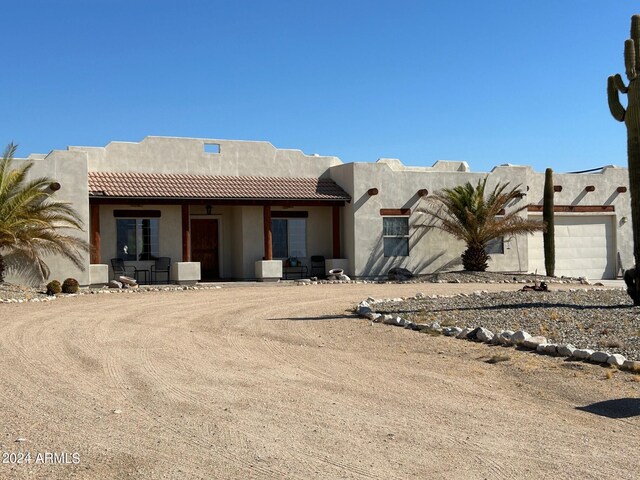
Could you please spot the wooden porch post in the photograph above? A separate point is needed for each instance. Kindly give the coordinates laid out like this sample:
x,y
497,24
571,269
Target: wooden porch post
x,y
268,239
336,231
186,234
94,228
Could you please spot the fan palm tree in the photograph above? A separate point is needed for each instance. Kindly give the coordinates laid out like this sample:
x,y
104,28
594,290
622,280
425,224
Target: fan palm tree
x,y
465,213
32,223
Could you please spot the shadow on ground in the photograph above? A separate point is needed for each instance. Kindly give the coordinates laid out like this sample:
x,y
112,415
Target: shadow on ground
x,y
617,408
321,317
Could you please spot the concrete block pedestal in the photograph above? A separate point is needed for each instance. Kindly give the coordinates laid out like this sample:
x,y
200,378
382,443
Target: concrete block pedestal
x,y
185,273
98,274
268,270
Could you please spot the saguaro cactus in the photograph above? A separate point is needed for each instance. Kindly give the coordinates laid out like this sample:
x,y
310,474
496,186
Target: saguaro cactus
x,y
631,118
548,237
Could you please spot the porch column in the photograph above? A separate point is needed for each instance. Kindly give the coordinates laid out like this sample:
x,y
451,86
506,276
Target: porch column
x,y
94,228
186,234
336,231
268,239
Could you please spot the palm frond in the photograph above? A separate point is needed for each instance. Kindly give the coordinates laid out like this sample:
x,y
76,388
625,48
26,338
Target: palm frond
x,y
32,222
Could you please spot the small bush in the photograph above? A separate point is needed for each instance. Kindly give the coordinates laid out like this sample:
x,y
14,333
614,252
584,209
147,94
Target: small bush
x,y
499,358
70,285
53,287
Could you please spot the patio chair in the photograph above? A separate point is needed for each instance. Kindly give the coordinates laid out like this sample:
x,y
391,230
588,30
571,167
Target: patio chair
x,y
318,268
120,269
162,266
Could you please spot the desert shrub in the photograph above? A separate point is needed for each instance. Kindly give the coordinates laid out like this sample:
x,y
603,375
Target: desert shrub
x,y
53,287
70,285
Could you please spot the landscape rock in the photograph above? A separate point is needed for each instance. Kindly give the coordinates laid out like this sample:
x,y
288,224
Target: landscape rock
x,y
115,284
599,357
463,334
518,337
484,335
582,353
363,308
127,281
399,274
616,359
533,342
631,365
451,331
566,350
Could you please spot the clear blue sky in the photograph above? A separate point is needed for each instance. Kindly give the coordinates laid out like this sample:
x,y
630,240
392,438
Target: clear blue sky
x,y
491,82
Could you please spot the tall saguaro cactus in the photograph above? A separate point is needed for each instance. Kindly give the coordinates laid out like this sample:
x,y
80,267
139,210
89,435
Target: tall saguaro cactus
x,y
548,237
631,118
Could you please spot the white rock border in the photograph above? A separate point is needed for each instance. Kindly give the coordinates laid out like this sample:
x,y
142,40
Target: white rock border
x,y
520,338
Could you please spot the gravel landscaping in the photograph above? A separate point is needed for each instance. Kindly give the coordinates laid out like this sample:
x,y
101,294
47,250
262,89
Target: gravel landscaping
x,y
599,319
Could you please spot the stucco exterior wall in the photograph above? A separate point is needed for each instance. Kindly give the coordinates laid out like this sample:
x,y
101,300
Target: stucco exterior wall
x,y
188,155
606,183
169,230
70,170
430,249
241,240
343,175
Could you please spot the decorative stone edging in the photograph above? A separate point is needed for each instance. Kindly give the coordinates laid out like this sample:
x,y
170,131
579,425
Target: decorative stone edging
x,y
105,290
520,338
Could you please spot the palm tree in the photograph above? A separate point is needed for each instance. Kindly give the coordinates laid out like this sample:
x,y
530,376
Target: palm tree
x,y
465,213
31,221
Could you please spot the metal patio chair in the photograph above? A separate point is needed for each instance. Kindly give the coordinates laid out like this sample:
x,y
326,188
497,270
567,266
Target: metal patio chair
x,y
162,266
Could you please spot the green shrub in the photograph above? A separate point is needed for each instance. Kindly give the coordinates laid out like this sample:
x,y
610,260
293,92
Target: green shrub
x,y
53,287
70,285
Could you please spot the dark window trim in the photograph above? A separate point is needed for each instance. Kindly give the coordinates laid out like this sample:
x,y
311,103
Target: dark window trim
x,y
292,214
389,212
136,213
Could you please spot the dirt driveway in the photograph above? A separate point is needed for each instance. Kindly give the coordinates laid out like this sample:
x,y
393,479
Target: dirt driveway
x,y
282,382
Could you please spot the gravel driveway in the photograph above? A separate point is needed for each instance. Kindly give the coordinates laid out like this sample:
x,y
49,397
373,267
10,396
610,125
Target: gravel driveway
x,y
282,382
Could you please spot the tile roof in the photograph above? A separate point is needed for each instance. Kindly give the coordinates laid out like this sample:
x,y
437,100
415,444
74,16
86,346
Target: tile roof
x,y
161,185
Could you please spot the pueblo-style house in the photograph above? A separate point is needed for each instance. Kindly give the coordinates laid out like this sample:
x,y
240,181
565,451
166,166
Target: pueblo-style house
x,y
231,210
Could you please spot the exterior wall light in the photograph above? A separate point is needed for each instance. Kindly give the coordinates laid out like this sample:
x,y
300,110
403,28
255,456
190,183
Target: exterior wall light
x,y
590,188
621,189
372,192
557,188
423,192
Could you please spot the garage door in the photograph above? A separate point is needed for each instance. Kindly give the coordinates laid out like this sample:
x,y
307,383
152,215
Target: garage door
x,y
585,247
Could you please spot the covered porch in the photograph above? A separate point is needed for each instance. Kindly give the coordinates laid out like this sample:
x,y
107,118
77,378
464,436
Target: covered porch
x,y
212,227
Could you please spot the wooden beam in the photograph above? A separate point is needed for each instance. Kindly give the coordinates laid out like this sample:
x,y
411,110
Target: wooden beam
x,y
575,208
186,234
268,238
94,228
335,228
395,211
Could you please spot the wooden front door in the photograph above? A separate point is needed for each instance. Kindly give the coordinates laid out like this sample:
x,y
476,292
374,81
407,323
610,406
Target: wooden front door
x,y
204,247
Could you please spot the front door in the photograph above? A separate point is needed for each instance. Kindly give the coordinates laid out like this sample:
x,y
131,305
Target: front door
x,y
204,247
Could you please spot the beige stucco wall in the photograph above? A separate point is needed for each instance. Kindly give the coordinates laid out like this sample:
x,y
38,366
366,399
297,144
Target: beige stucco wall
x,y
187,155
241,239
70,170
169,228
430,250
606,183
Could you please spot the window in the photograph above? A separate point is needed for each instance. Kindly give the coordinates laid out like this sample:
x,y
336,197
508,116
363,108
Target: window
x,y
137,238
395,236
212,148
289,236
495,246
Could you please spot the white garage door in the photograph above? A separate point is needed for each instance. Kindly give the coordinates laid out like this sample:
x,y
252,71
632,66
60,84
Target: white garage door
x,y
585,247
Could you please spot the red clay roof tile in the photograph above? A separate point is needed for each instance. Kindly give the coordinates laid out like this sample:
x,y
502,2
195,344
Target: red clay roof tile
x,y
160,185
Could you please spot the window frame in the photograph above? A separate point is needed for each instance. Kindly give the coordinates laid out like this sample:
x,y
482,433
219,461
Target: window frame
x,y
139,240
288,236
405,236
